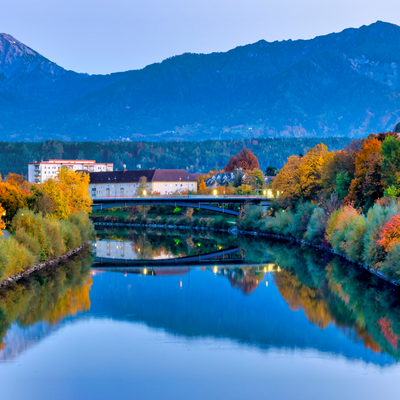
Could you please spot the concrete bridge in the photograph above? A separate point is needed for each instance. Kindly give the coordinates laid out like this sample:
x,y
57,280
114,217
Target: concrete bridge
x,y
219,203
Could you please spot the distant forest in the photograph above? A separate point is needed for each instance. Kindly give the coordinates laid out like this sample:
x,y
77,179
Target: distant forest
x,y
193,156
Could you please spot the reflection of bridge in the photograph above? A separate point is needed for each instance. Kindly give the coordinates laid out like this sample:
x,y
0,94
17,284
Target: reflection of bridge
x,y
219,204
221,256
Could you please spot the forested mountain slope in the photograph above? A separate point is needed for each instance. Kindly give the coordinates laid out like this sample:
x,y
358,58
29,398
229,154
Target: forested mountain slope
x,y
343,84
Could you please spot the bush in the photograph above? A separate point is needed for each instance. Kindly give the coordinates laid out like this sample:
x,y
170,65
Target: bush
x,y
37,238
348,237
316,226
377,216
391,266
14,258
301,217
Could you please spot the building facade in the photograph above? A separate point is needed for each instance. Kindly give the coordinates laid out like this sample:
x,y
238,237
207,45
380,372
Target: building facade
x,y
141,182
38,172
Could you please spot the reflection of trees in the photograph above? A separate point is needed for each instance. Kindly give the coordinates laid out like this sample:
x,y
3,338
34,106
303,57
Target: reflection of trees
x,y
49,295
332,291
244,279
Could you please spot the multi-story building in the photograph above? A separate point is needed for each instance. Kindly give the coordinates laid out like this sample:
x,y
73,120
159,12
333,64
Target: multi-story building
x,y
38,172
127,183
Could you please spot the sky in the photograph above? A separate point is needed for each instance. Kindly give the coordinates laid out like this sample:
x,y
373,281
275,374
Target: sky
x,y
104,36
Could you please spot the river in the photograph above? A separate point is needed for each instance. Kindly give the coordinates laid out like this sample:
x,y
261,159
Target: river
x,y
177,315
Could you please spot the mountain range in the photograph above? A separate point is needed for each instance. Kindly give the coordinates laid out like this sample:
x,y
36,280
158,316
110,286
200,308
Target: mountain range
x,y
341,84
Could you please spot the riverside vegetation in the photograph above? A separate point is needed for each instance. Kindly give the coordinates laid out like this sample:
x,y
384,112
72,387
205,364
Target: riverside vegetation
x,y
46,220
347,200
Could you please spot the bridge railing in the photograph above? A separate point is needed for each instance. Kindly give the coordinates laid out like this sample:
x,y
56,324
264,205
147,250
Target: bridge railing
x,y
192,197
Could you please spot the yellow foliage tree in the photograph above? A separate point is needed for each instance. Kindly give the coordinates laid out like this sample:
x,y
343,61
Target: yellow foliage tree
x,y
75,186
53,189
300,178
69,192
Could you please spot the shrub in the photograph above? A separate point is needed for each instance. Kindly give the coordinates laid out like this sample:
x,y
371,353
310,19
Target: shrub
x,y
14,258
391,266
316,226
377,216
349,233
301,217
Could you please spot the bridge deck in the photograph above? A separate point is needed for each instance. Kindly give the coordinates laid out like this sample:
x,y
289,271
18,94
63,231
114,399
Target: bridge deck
x,y
195,201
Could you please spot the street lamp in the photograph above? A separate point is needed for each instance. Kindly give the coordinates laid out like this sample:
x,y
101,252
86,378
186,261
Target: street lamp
x,y
144,192
215,192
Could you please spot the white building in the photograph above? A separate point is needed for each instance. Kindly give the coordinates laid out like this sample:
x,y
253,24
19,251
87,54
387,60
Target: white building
x,y
127,183
38,172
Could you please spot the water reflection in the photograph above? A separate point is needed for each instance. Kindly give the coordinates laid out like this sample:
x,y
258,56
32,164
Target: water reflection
x,y
268,294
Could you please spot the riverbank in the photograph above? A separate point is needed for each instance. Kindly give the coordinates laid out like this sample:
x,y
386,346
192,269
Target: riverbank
x,y
233,229
38,241
40,266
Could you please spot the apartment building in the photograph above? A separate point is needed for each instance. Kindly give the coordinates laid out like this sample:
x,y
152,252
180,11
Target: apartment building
x,y
38,172
127,183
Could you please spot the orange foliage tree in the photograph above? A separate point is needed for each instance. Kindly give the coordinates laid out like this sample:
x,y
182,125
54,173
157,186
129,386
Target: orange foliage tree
x,y
366,187
390,233
245,160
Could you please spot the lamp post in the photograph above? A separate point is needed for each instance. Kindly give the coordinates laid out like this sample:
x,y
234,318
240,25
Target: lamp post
x,y
188,185
115,186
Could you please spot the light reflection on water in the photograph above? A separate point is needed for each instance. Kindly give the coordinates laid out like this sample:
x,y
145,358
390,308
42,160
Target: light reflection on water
x,y
319,329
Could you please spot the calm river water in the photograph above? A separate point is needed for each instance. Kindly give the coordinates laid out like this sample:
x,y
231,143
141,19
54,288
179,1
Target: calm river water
x,y
238,318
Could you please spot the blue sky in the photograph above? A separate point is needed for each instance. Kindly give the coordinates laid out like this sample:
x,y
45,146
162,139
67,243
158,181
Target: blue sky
x,y
103,36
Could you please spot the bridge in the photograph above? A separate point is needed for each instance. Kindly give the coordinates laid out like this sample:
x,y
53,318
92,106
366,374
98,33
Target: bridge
x,y
219,203
226,255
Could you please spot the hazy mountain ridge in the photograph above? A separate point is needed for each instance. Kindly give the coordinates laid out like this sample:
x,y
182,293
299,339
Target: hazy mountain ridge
x,y
339,84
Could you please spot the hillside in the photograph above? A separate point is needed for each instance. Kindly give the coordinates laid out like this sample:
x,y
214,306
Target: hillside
x,y
342,84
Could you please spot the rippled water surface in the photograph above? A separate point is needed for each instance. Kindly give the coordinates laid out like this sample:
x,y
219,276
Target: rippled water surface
x,y
170,315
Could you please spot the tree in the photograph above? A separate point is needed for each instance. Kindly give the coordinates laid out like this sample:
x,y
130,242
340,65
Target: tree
x,y
75,186
271,171
202,186
53,190
366,187
18,181
391,161
143,186
258,177
300,178
390,233
244,190
245,160
44,204
12,198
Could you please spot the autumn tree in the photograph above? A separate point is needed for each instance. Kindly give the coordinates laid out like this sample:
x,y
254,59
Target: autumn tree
x,y
12,198
300,178
142,186
17,181
202,186
366,187
75,186
245,160
390,233
69,193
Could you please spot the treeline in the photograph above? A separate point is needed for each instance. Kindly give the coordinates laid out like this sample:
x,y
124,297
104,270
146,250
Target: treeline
x,y
347,200
193,156
45,220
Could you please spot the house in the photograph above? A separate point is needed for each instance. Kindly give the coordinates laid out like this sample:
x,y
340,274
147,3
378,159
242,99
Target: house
x,y
38,172
140,182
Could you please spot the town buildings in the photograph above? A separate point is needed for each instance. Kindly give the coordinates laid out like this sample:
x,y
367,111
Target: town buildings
x,y
140,182
38,172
